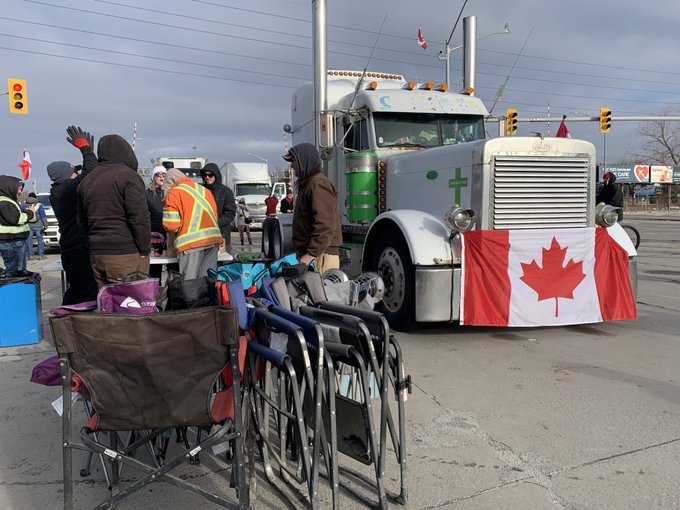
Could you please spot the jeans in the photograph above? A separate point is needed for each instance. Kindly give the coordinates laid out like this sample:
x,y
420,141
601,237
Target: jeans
x,y
38,232
13,256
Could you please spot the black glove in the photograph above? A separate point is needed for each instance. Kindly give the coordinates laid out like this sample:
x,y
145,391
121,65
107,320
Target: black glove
x,y
79,138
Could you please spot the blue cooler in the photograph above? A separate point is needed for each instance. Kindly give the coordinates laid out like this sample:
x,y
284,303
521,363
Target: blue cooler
x,y
20,311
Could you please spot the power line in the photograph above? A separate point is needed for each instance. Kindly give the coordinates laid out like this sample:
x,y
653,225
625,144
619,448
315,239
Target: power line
x,y
145,68
305,47
128,54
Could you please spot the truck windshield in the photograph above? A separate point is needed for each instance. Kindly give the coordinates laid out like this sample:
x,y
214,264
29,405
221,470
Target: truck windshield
x,y
426,129
252,188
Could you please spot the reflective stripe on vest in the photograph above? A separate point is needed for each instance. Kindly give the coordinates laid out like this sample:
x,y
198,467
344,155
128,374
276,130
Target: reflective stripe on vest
x,y
23,220
195,233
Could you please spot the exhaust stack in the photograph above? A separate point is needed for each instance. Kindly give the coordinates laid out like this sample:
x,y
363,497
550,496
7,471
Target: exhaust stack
x,y
470,53
319,14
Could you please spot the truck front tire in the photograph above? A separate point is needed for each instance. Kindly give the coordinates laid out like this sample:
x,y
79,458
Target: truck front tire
x,y
392,262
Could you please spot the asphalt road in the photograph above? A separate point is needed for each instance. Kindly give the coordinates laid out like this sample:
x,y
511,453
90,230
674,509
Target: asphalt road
x,y
569,418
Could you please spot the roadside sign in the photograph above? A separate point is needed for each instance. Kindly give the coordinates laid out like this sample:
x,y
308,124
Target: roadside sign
x,y
627,173
676,174
662,174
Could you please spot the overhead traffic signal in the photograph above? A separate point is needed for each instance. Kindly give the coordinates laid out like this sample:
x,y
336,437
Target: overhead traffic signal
x,y
605,120
510,122
16,90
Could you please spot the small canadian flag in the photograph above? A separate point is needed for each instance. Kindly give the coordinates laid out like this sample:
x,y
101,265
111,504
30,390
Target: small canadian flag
x,y
421,39
25,166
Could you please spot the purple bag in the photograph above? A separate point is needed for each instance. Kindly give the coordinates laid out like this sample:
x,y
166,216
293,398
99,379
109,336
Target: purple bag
x,y
47,372
85,306
138,297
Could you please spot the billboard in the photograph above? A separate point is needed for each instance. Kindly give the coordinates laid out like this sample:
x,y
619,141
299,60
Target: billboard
x,y
676,174
662,174
627,173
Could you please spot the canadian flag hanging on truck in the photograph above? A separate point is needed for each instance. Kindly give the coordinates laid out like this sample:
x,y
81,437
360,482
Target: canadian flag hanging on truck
x,y
544,278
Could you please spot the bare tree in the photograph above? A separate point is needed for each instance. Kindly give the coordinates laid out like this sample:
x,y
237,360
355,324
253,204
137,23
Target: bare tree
x,y
660,143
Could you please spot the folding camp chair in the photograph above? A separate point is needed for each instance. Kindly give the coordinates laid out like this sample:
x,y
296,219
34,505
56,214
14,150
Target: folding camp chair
x,y
324,398
281,380
368,334
153,373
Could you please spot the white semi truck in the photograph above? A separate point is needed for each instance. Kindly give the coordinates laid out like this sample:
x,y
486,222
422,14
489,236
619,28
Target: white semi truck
x,y
252,182
414,170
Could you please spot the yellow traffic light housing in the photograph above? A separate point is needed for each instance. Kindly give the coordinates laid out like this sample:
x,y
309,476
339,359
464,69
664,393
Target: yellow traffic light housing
x,y
16,90
510,122
605,120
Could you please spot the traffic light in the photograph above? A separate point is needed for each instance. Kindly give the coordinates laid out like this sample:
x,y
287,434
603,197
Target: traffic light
x,y
605,120
510,122
16,90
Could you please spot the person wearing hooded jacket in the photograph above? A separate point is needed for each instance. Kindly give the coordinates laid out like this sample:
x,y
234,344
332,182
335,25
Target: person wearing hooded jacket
x,y
75,254
224,198
610,193
13,225
112,206
317,233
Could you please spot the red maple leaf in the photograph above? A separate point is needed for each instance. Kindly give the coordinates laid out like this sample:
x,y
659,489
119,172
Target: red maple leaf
x,y
553,280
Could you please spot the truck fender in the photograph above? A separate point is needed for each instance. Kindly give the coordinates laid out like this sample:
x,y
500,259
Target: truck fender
x,y
426,236
619,235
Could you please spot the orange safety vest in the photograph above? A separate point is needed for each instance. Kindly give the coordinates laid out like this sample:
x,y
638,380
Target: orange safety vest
x,y
191,212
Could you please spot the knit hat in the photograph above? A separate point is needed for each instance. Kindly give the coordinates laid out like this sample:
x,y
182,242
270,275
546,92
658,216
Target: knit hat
x,y
160,169
59,171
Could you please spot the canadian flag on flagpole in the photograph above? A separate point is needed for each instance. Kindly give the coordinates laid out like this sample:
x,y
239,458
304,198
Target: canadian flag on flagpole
x,y
562,131
25,166
421,39
544,278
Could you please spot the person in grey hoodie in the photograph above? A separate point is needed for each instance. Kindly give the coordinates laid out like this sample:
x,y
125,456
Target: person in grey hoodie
x,y
112,205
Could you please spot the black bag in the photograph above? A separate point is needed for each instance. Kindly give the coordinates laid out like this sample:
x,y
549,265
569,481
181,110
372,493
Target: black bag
x,y
184,294
247,219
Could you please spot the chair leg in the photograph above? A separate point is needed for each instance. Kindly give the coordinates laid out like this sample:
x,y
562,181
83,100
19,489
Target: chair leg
x,y
115,473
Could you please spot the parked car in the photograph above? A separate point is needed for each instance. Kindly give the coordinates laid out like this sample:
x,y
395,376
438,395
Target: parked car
x,y
51,237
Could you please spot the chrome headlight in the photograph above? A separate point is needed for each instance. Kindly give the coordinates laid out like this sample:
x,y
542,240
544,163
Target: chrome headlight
x,y
606,215
459,219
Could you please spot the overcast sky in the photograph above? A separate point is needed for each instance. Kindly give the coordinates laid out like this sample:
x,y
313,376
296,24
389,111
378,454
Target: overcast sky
x,y
218,75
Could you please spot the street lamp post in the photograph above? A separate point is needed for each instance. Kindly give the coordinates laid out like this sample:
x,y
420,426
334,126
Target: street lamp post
x,y
446,53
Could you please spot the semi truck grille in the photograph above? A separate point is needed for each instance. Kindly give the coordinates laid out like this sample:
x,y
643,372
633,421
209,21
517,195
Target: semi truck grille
x,y
539,192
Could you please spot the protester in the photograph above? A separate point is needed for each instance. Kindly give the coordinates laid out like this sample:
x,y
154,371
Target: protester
x,y
610,193
243,220
287,203
154,201
224,198
190,211
13,225
317,234
113,207
37,227
271,202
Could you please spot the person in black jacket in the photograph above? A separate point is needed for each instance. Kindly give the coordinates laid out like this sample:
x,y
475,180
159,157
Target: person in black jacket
x,y
224,198
112,206
610,193
75,254
13,225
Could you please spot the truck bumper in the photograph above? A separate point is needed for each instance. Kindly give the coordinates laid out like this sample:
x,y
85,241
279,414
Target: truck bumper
x,y
437,294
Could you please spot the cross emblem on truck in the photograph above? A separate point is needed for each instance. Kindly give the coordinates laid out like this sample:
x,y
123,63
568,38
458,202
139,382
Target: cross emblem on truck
x,y
458,182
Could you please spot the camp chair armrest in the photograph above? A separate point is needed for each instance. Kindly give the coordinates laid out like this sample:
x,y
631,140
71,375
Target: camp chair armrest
x,y
269,354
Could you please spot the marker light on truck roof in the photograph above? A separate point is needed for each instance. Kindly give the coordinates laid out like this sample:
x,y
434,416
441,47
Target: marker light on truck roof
x,y
443,87
410,85
373,85
427,85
